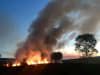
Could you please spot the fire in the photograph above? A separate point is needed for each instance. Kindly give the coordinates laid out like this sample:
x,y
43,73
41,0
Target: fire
x,y
32,59
7,65
30,62
16,64
36,60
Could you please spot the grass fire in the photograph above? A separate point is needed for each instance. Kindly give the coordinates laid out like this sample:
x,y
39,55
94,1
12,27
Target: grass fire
x,y
49,37
56,57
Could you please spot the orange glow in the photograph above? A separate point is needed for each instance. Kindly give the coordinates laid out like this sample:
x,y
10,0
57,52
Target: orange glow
x,y
33,62
16,64
7,65
33,59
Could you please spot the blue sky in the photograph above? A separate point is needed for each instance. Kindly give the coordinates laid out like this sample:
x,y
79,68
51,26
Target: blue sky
x,y
16,17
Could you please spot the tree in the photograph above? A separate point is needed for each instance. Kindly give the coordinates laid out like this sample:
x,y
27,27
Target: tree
x,y
85,44
56,57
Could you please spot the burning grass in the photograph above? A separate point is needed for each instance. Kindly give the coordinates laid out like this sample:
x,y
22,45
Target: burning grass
x,y
32,59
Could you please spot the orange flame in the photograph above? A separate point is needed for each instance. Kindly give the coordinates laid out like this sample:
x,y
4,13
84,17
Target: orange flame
x,y
38,61
7,65
33,59
16,64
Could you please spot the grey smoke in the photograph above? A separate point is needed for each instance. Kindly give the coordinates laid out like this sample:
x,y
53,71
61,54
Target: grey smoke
x,y
44,35
90,24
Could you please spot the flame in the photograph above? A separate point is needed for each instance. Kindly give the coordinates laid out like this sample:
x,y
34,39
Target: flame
x,y
36,60
16,64
7,65
32,59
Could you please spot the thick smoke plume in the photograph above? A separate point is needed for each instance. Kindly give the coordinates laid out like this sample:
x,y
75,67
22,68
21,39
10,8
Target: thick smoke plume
x,y
54,21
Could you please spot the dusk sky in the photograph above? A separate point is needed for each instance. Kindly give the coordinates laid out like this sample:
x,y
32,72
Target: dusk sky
x,y
16,16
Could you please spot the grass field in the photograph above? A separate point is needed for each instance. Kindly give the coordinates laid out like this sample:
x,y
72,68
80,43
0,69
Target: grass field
x,y
53,69
69,67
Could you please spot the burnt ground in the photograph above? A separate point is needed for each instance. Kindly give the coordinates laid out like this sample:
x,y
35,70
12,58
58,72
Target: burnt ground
x,y
53,69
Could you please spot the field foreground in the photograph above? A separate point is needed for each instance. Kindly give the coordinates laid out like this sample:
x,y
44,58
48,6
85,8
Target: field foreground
x,y
53,69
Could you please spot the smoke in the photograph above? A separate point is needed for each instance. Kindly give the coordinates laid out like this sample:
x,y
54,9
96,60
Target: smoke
x,y
91,13
53,22
62,42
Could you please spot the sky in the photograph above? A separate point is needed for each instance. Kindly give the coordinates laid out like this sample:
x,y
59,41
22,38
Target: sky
x,y
15,19
16,16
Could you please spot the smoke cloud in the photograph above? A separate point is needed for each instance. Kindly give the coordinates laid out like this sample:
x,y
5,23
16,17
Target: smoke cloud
x,y
53,22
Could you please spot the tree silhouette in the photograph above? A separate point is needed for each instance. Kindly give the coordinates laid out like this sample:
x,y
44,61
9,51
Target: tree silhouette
x,y
85,44
56,57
